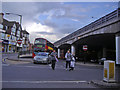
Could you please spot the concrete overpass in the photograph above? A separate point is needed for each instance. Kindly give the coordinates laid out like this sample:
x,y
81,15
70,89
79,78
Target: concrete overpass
x,y
101,35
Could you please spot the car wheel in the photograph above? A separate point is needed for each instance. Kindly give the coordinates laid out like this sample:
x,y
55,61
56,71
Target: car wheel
x,y
34,62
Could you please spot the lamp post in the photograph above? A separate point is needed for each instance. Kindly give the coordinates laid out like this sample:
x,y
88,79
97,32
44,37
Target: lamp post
x,y
17,15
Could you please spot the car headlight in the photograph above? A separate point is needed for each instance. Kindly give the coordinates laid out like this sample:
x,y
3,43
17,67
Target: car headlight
x,y
34,58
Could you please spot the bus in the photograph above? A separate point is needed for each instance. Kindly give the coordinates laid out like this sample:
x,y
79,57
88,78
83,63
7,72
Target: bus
x,y
42,45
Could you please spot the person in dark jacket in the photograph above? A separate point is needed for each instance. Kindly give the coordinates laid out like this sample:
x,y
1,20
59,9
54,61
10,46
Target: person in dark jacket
x,y
53,59
68,57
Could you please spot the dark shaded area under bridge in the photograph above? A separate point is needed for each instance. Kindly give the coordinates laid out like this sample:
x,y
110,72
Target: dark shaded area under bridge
x,y
95,43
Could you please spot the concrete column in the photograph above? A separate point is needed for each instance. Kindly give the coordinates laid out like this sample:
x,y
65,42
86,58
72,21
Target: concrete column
x,y
117,49
1,65
104,52
73,50
58,53
118,57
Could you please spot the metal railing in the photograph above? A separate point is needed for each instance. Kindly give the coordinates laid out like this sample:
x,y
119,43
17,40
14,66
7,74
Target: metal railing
x,y
102,20
24,52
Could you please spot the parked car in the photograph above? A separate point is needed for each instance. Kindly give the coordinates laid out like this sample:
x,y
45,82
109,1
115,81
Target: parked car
x,y
101,61
94,60
41,57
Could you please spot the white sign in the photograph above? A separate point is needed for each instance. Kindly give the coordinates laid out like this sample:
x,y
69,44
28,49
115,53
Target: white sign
x,y
85,47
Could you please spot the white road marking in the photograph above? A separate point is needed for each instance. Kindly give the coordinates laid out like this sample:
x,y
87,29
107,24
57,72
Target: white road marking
x,y
46,67
5,64
43,81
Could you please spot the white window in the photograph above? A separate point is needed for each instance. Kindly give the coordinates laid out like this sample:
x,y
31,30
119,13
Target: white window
x,y
1,26
3,35
13,38
13,30
28,36
6,27
18,33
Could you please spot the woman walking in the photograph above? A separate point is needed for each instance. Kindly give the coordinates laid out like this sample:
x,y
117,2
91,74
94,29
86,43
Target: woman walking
x,y
53,58
68,57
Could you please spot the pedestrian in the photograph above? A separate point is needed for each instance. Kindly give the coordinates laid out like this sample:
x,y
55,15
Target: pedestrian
x,y
68,57
53,59
72,63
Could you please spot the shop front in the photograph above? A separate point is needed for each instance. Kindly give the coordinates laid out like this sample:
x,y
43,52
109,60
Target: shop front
x,y
5,46
19,47
12,46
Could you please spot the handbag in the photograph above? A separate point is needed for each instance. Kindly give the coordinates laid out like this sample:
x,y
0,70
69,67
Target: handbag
x,y
56,59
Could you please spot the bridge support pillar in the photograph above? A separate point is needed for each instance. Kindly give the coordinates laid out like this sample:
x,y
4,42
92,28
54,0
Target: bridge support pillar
x,y
117,49
118,57
58,52
73,50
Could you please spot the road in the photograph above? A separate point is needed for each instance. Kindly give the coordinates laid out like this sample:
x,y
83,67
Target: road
x,y
19,74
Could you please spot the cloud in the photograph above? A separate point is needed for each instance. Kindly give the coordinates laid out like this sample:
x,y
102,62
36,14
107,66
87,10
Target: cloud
x,y
46,33
75,20
51,20
50,24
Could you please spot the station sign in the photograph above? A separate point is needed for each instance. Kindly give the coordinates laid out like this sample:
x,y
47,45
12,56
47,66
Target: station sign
x,y
85,48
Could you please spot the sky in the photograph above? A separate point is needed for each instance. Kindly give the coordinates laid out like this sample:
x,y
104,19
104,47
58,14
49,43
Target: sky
x,y
55,20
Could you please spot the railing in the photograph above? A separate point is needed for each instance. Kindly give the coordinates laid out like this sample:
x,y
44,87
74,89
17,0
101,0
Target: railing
x,y
96,23
24,52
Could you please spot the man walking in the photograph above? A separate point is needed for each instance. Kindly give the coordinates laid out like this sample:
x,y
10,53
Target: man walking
x,y
53,58
68,57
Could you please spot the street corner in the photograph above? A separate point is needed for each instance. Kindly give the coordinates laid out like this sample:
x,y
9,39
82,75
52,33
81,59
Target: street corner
x,y
88,64
104,84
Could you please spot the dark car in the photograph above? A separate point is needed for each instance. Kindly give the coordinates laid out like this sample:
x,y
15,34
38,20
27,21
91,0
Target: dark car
x,y
101,61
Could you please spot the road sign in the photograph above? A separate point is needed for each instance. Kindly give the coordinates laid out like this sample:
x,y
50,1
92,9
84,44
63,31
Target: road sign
x,y
85,48
19,41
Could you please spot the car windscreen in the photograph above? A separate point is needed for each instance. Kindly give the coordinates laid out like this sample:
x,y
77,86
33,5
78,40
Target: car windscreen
x,y
42,54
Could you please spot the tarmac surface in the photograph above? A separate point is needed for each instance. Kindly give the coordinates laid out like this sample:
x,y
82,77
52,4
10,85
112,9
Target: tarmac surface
x,y
14,59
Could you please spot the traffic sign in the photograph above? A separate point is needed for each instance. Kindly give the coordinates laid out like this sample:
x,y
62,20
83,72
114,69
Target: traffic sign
x,y
85,48
19,41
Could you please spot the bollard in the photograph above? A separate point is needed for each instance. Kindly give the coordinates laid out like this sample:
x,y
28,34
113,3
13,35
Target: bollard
x,y
109,71
118,73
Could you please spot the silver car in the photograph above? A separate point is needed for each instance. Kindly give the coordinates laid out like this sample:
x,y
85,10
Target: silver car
x,y
41,57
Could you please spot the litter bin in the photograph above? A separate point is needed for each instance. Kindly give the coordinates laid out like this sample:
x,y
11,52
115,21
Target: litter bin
x,y
109,71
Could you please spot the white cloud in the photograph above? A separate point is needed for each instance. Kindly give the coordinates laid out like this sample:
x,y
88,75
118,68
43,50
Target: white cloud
x,y
38,27
35,28
75,20
53,29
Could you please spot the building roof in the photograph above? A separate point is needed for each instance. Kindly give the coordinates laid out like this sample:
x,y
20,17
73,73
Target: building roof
x,y
25,32
10,25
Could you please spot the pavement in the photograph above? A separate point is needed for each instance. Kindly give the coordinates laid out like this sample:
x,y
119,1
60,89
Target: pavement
x,y
104,84
95,82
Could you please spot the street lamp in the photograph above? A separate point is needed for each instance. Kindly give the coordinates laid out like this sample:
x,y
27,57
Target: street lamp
x,y
17,15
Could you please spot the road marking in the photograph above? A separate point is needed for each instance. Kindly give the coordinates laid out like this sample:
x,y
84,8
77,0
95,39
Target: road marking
x,y
5,64
43,81
46,67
